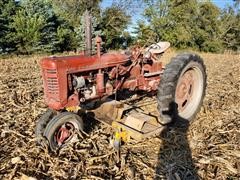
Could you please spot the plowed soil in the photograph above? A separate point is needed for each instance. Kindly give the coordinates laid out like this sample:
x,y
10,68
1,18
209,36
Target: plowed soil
x,y
206,148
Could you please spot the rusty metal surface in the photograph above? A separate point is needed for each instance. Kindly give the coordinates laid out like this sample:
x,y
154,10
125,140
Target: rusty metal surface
x,y
88,32
139,135
137,120
73,64
184,90
134,121
64,132
110,111
103,76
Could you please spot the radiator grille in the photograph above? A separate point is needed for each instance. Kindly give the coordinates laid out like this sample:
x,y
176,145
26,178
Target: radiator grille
x,y
52,81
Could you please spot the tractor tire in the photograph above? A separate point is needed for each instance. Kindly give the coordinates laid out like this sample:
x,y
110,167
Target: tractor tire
x,y
182,88
41,124
61,129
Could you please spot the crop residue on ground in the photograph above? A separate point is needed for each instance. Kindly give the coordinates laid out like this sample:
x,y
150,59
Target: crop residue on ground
x,y
209,147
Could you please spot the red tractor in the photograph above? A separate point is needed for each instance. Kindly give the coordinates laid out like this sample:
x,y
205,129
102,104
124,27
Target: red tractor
x,y
72,83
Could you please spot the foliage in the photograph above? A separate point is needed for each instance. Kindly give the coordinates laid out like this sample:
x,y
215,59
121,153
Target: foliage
x,y
190,23
113,22
145,35
31,26
7,11
172,20
207,28
230,25
34,26
72,10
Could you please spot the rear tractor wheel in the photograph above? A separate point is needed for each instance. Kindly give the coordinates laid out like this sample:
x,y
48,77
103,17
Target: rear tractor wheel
x,y
59,129
182,88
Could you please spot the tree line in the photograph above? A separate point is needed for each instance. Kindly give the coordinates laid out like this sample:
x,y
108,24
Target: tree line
x,y
50,26
199,25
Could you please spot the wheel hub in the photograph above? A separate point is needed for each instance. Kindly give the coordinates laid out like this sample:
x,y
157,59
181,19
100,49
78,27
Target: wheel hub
x,y
64,133
184,89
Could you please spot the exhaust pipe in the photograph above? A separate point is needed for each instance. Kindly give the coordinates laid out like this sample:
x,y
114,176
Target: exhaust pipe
x,y
88,33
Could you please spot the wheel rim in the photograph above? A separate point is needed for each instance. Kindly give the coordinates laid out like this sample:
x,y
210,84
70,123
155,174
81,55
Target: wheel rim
x,y
64,133
189,91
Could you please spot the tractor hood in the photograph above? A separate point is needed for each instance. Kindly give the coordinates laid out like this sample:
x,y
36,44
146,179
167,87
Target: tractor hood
x,y
82,63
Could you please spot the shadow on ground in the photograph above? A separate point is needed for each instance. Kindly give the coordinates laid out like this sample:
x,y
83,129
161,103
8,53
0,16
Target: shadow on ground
x,y
174,156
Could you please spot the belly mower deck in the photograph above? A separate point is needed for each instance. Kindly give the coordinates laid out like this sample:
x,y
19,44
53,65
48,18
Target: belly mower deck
x,y
129,121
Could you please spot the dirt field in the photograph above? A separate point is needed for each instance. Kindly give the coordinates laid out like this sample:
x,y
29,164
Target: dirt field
x,y
208,148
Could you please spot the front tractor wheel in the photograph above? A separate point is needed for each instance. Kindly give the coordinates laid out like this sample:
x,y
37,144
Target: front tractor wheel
x,y
60,129
182,88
